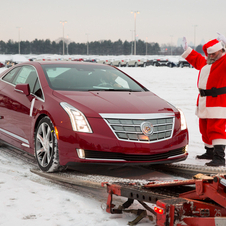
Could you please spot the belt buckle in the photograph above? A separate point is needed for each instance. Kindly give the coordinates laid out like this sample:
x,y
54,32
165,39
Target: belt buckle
x,y
214,92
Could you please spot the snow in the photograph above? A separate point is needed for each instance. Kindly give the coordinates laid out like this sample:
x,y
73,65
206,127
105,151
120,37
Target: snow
x,y
27,199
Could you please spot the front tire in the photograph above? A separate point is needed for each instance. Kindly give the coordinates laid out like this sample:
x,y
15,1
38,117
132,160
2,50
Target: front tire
x,y
46,148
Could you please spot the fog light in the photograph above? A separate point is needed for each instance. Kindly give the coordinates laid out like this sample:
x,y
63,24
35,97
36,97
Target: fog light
x,y
81,153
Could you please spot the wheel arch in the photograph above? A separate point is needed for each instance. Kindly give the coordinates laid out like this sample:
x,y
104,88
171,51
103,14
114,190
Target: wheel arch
x,y
39,118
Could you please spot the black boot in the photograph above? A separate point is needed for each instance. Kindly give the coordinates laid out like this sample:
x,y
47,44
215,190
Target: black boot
x,y
218,156
207,155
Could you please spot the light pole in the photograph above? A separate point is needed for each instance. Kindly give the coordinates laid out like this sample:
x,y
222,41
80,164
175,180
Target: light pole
x,y
171,43
63,22
18,39
87,45
194,34
67,43
132,43
135,15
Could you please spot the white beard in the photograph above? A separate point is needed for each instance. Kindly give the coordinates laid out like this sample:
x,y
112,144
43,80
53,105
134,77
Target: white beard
x,y
211,61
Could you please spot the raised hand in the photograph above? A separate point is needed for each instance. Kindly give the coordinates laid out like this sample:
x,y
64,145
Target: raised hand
x,y
184,43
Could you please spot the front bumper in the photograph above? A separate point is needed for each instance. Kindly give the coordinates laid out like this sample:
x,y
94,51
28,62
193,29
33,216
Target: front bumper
x,y
102,146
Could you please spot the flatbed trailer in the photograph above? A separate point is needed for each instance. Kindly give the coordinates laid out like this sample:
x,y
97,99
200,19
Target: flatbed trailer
x,y
195,202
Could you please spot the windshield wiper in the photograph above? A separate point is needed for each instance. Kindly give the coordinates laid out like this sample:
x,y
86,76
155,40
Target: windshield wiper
x,y
117,90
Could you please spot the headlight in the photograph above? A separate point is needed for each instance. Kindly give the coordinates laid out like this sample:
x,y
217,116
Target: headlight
x,y
78,120
182,120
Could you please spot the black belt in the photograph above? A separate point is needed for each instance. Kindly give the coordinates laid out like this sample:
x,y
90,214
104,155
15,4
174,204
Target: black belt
x,y
214,92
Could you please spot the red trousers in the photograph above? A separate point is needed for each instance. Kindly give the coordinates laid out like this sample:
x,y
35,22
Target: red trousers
x,y
213,131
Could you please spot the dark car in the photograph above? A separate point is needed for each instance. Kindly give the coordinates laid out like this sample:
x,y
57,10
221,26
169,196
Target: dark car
x,y
74,112
184,63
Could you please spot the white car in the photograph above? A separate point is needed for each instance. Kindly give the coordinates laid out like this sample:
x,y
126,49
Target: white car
x,y
137,62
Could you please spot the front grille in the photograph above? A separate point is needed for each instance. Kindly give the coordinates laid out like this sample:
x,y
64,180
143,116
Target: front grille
x,y
101,155
130,129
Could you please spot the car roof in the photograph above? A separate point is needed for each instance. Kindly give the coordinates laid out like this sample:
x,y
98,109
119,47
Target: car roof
x,y
35,63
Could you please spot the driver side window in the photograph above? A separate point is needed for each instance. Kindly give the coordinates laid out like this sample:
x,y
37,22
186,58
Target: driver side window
x,y
29,75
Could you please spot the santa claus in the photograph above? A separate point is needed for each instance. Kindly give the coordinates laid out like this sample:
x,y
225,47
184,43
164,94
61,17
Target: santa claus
x,y
211,102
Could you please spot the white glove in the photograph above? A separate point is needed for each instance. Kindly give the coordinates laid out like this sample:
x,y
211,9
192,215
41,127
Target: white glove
x,y
221,38
184,43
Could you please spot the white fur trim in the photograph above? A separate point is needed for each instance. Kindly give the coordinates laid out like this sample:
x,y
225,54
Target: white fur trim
x,y
208,145
204,75
214,48
210,112
186,52
219,142
201,110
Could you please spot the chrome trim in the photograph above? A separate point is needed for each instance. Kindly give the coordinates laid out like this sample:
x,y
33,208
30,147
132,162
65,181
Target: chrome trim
x,y
20,91
149,116
15,136
137,116
120,160
25,145
175,156
32,106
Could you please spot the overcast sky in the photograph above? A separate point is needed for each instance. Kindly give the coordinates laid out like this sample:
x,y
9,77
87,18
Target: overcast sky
x,y
162,21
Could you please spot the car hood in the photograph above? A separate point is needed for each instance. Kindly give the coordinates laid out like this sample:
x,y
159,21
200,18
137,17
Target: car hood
x,y
92,103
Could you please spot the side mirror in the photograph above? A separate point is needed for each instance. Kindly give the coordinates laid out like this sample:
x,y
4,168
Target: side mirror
x,y
23,88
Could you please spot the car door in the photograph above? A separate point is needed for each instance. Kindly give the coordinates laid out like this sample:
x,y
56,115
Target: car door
x,y
16,108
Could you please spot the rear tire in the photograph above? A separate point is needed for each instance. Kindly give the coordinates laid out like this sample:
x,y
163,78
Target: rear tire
x,y
46,148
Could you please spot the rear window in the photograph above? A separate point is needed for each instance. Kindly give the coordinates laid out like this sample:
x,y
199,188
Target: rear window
x,y
88,77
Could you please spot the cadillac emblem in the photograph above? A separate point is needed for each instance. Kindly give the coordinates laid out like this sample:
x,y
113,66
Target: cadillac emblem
x,y
147,128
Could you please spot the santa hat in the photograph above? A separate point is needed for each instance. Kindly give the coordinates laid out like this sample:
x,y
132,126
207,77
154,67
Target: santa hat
x,y
212,47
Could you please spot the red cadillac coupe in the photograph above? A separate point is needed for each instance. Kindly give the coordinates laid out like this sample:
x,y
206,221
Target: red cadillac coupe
x,y
66,113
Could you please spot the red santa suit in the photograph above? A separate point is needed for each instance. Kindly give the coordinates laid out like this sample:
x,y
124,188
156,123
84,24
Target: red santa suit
x,y
211,109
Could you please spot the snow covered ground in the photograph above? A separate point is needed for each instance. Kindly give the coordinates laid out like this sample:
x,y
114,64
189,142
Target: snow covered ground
x,y
27,199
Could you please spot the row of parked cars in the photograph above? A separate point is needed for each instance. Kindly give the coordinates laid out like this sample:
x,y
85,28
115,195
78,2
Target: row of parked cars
x,y
158,61
170,62
118,61
139,61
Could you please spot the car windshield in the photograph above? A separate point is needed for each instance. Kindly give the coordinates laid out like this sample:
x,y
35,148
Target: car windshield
x,y
89,77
